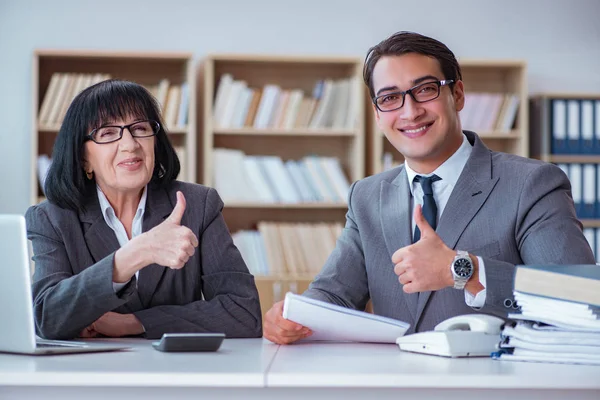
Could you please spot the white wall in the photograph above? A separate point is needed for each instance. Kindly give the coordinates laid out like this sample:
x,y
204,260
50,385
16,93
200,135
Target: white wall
x,y
559,39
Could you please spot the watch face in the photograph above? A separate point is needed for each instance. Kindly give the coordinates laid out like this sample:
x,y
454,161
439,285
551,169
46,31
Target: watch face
x,y
463,267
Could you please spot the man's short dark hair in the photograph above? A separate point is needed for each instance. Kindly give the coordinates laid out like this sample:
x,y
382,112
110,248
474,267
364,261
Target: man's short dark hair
x,y
401,43
66,184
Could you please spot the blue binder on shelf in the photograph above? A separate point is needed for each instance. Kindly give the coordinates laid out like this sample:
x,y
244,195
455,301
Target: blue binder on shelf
x,y
597,231
590,236
576,177
587,143
558,126
589,192
597,191
573,127
597,127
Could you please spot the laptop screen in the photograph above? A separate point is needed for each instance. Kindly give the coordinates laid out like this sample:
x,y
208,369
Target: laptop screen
x,y
16,307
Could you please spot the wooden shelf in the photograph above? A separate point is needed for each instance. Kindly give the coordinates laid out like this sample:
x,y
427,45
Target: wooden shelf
x,y
269,60
293,132
288,72
591,223
112,55
565,95
493,64
575,158
512,135
294,225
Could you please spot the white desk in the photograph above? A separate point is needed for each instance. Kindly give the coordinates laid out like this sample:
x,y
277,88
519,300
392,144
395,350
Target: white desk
x,y
253,369
382,371
139,373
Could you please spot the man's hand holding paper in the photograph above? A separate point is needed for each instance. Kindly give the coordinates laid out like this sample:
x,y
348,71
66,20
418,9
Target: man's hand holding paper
x,y
280,330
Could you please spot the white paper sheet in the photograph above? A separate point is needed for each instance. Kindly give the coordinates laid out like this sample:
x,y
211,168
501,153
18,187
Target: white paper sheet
x,y
334,323
547,358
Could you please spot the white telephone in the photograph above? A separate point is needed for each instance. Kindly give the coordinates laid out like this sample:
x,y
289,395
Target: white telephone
x,y
468,335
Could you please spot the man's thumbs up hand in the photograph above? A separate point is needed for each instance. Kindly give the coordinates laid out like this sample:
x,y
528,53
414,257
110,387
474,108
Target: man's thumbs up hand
x,y
424,265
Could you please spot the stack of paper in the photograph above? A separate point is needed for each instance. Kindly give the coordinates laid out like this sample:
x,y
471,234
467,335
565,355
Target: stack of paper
x,y
334,323
551,330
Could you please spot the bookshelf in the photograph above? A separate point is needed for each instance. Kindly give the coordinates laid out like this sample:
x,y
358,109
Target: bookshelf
x,y
565,130
293,138
145,68
487,79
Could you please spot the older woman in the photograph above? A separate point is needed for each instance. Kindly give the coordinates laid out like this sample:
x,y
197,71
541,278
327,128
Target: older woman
x,y
122,248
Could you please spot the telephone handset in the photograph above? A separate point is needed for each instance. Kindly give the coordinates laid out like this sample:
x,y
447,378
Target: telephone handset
x,y
472,322
461,336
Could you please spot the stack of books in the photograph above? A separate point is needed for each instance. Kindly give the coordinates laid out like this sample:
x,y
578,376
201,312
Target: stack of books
x,y
269,179
63,87
559,320
331,105
287,249
490,112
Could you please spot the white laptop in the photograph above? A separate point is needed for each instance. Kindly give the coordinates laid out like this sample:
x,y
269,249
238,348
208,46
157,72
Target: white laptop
x,y
17,332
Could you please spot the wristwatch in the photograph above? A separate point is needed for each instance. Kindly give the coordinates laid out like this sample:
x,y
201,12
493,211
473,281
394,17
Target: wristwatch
x,y
462,269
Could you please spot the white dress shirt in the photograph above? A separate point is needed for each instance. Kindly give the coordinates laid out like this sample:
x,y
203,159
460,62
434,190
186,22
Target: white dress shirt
x,y
113,222
449,171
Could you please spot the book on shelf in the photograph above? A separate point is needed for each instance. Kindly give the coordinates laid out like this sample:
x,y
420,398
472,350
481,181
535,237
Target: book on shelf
x,y
171,107
252,108
252,248
223,88
61,91
287,249
585,188
173,101
487,112
592,235
162,92
281,181
43,165
182,113
330,106
577,283
181,155
573,125
64,87
229,176
268,179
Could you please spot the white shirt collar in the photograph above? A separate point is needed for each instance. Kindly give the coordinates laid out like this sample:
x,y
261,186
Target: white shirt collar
x,y
109,213
450,170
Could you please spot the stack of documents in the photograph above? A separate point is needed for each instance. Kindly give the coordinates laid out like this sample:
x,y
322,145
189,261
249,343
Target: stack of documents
x,y
334,323
552,330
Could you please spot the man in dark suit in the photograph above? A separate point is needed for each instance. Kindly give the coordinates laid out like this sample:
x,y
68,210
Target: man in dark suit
x,y
440,235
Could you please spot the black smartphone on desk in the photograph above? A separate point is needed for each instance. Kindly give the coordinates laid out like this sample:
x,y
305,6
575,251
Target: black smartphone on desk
x,y
178,342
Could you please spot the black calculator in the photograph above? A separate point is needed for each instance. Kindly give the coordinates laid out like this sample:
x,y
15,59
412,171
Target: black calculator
x,y
180,342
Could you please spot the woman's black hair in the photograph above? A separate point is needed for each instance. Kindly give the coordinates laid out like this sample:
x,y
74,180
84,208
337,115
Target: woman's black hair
x,y
66,184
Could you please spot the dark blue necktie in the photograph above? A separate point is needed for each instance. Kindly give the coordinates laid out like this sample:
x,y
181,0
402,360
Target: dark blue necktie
x,y
429,206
